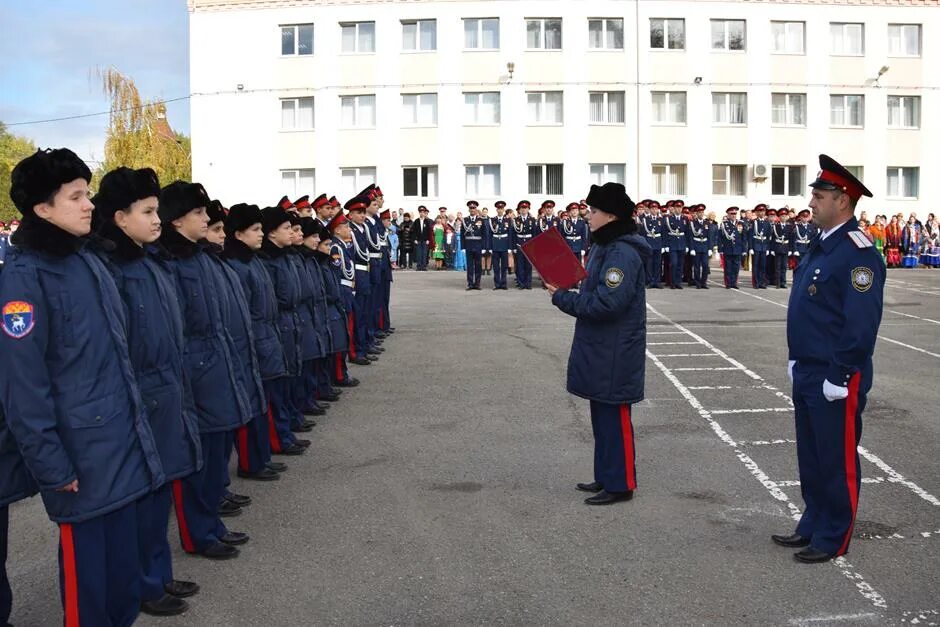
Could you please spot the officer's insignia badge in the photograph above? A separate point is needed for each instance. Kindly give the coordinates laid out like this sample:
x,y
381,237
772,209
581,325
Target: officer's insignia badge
x,y
812,290
18,318
613,278
862,279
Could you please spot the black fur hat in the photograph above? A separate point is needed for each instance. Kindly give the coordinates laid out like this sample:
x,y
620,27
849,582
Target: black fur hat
x,y
241,217
39,176
179,198
273,217
611,198
122,187
311,226
216,211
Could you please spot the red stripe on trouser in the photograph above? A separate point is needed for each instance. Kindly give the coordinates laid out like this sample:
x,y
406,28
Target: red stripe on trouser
x,y
339,367
626,427
272,430
351,328
381,319
243,448
69,575
851,447
185,536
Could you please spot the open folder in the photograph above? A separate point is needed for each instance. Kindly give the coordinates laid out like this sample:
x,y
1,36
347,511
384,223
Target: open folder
x,y
551,256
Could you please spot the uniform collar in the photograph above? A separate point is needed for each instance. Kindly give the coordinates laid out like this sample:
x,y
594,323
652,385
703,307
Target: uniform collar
x,y
836,235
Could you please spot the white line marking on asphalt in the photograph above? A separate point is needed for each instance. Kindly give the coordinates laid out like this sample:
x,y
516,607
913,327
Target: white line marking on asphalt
x,y
929,534
907,315
789,483
921,617
700,369
665,333
833,618
717,412
670,343
888,283
768,442
727,387
895,477
689,355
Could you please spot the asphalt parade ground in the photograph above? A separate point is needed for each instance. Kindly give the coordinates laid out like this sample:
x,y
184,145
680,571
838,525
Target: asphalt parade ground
x,y
441,491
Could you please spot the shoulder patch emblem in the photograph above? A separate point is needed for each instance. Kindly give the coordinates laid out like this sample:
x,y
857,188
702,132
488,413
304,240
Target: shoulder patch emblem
x,y
613,278
862,278
19,318
860,239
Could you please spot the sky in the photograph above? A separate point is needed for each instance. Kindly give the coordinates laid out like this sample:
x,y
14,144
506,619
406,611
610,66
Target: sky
x,y
50,50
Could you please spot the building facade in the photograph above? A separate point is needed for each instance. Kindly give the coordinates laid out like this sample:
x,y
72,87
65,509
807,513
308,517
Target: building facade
x,y
721,102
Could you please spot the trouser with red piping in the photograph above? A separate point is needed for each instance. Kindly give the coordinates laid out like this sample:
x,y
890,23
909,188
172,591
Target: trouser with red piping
x,y
253,445
339,372
827,436
280,413
156,560
99,569
614,454
197,497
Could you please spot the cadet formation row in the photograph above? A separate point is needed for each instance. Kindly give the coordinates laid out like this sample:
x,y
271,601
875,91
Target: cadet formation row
x,y
148,333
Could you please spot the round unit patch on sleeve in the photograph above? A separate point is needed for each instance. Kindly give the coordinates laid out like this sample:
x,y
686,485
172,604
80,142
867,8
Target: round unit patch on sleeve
x,y
613,277
862,279
19,318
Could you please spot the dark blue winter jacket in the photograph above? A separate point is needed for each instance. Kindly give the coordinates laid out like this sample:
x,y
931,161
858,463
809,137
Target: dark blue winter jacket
x,y
310,346
288,292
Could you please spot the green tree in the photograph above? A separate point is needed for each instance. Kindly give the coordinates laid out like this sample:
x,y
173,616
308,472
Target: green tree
x,y
13,149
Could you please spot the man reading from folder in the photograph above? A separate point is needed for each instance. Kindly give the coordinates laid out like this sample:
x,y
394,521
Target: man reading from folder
x,y
608,353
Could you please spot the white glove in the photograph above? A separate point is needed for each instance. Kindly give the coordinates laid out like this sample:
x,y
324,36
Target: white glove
x,y
752,251
834,392
772,254
796,254
692,253
790,365
666,249
709,253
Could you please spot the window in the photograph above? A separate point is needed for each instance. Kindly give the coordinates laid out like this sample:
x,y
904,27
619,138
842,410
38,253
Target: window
x,y
481,107
608,173
728,180
788,180
547,178
358,37
903,111
607,107
904,40
728,35
296,183
669,107
903,182
297,39
482,180
788,37
419,35
788,109
857,171
481,33
296,114
669,179
358,111
605,34
667,33
847,110
419,109
729,108
419,181
543,34
545,107
354,179
847,39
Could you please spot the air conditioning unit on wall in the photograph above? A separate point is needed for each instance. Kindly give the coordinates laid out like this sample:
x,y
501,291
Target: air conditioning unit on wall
x,y
760,171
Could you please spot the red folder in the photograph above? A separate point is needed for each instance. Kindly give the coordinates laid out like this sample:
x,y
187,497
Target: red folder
x,y
551,256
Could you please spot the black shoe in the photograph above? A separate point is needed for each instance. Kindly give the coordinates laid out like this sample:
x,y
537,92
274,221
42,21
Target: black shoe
x,y
220,551
167,605
678,287
265,474
277,467
705,287
290,449
590,487
657,287
390,330
351,382
606,498
227,509
372,357
239,499
181,589
235,538
793,540
304,428
360,361
809,555
377,349
305,444
477,287
332,397
313,411
469,287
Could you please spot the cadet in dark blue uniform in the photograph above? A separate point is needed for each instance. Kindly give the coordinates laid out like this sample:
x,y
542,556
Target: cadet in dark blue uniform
x,y
523,229
832,323
69,393
473,233
608,353
499,230
803,233
359,347
650,226
732,243
699,247
344,273
675,240
758,236
572,228
385,315
780,234
372,231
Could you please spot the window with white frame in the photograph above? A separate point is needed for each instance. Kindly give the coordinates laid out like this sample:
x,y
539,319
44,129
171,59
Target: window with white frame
x,y
481,107
605,34
788,180
358,111
543,33
482,180
729,35
481,33
788,109
296,183
418,35
669,179
545,107
419,109
903,182
728,180
904,40
788,37
729,108
352,180
296,114
848,39
847,110
608,173
358,37
903,111
667,33
419,181
856,170
296,39
607,107
669,107
547,178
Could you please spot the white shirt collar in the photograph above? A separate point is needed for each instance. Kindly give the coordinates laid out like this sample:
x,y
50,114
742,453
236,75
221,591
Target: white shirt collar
x,y
826,234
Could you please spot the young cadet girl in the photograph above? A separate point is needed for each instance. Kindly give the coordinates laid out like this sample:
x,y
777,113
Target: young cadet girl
x,y
338,265
312,347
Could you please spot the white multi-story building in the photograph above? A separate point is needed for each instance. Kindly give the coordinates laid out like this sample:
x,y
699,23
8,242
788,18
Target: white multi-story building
x,y
722,102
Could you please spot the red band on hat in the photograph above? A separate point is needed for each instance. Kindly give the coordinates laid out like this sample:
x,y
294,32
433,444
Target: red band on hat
x,y
356,206
323,202
847,186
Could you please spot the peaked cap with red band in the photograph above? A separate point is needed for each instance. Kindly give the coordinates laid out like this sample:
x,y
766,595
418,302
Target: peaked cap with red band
x,y
338,220
302,203
359,203
833,176
285,203
321,201
334,202
385,215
